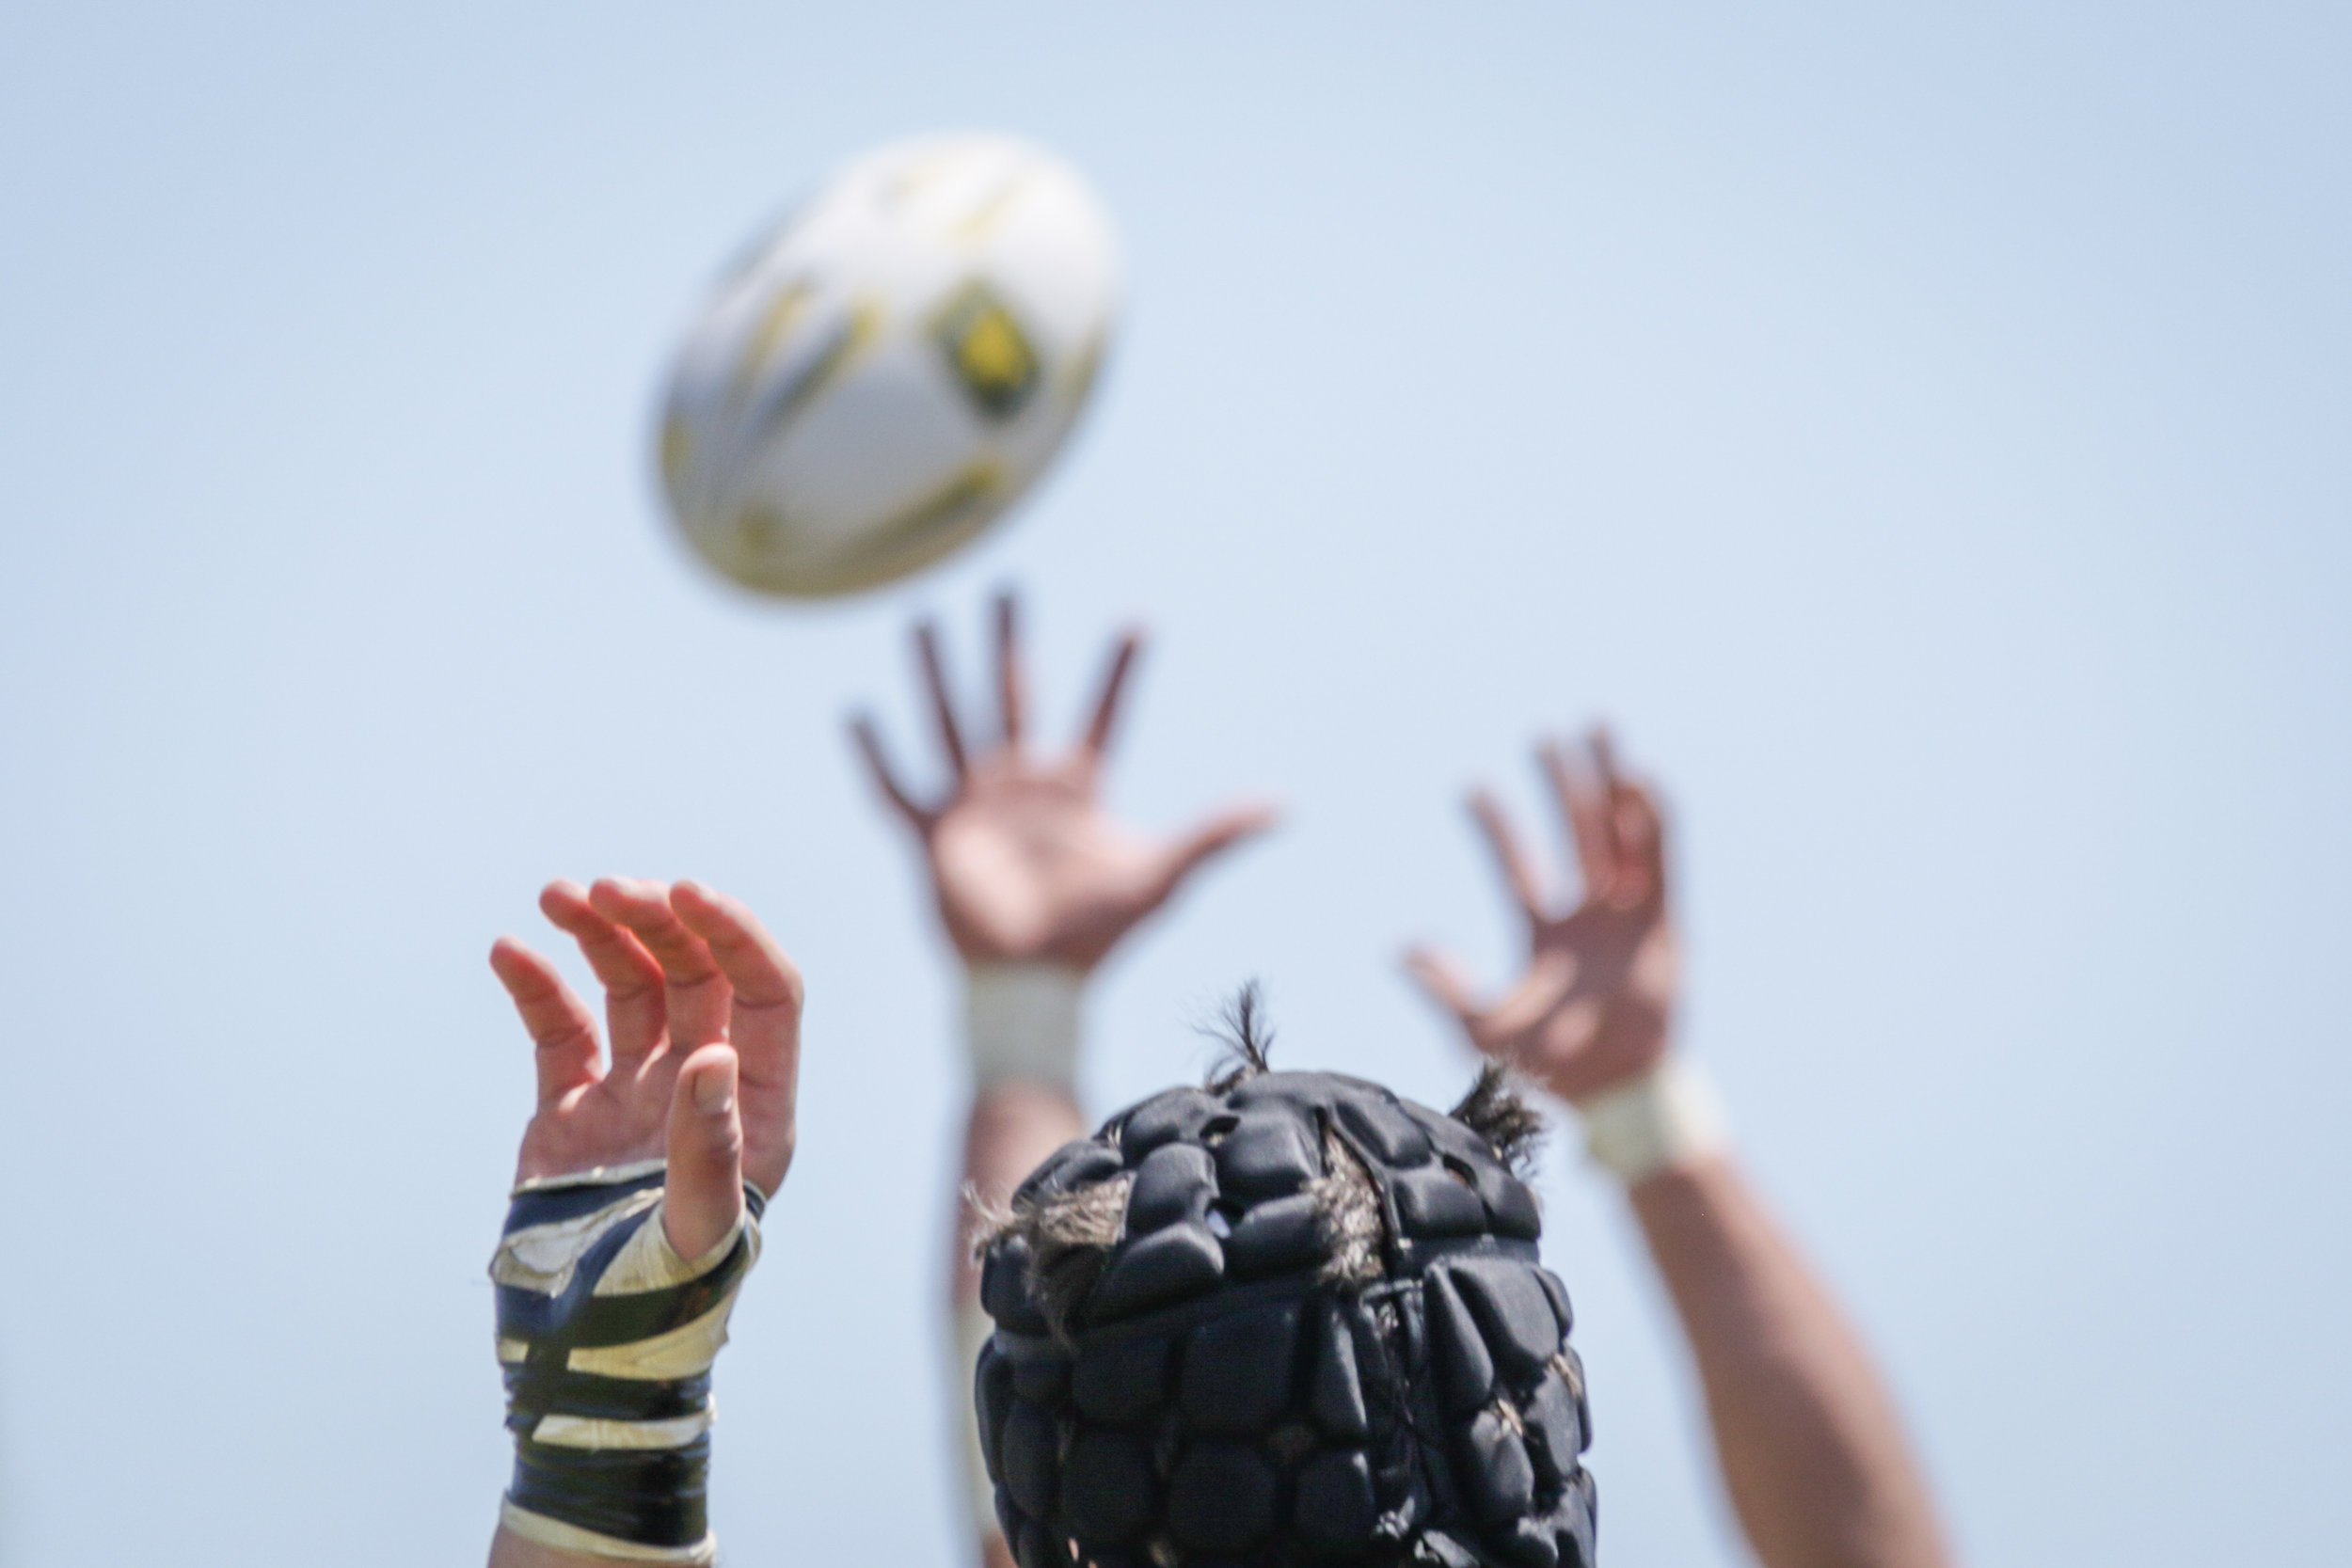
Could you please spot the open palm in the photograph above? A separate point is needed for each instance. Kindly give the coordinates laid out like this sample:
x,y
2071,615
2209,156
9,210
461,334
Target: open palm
x,y
1594,1004
1025,864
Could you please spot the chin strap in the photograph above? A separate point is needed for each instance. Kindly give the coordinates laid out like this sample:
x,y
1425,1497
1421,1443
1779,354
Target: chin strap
x,y
606,1336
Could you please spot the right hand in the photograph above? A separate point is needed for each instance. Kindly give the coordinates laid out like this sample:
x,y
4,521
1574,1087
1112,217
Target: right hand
x,y
704,1013
1025,864
1596,1005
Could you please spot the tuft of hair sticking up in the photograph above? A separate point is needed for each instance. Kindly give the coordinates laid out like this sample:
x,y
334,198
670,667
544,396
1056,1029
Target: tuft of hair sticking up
x,y
1248,1039
1494,1110
1070,1234
1347,1215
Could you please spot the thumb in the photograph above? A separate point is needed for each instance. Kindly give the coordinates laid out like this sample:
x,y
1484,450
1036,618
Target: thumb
x,y
1208,841
704,1191
1443,981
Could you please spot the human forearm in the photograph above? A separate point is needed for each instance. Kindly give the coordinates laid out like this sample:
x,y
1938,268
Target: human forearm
x,y
1012,1127
1809,1444
1036,883
1021,1030
1021,1037
1812,1451
634,1217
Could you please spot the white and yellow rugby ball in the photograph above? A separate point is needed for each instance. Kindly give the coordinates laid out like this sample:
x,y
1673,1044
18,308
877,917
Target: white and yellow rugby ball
x,y
892,368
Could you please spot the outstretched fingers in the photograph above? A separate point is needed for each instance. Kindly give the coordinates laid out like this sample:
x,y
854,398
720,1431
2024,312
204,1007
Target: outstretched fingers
x,y
943,702
634,1013
1641,835
1114,689
1603,748
1010,697
1584,808
1626,820
695,992
1206,842
562,1032
1539,995
1518,871
1506,1030
885,777
1447,984
764,1021
703,1191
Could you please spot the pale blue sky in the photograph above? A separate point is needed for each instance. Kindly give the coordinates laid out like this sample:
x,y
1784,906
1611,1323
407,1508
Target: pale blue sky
x,y
1923,429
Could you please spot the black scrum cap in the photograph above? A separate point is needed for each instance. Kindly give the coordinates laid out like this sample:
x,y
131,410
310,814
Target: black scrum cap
x,y
1288,1319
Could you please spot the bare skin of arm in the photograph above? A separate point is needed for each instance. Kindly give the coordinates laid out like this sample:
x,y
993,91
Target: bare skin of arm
x,y
1812,1451
1027,867
1809,1444
700,1066
1011,1129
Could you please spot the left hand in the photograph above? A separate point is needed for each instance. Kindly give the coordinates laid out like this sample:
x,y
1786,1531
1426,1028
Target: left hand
x,y
1596,1004
703,1015
1026,864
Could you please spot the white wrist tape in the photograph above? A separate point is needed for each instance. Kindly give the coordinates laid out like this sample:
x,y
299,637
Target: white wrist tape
x,y
1021,1022
1670,1115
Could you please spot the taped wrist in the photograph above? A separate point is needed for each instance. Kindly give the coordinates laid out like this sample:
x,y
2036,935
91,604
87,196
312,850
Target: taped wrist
x,y
1669,1115
1021,1022
606,1337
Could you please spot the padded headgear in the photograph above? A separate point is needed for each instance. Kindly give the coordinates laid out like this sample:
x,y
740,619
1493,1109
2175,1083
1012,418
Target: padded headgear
x,y
1288,1320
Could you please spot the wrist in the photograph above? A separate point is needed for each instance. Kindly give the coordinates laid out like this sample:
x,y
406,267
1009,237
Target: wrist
x,y
606,1336
1021,1023
1667,1117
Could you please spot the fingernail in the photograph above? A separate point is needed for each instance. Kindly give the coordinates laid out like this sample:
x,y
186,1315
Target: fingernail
x,y
714,1093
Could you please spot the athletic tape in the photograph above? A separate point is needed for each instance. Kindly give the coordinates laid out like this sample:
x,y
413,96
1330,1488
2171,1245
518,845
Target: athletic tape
x,y
1669,1115
1021,1022
606,1337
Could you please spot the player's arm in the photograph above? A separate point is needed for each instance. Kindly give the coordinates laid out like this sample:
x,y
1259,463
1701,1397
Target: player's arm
x,y
1811,1451
635,1214
1035,884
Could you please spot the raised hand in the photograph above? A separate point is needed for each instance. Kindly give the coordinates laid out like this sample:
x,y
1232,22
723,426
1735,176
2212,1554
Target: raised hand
x,y
1596,1004
1027,865
703,1012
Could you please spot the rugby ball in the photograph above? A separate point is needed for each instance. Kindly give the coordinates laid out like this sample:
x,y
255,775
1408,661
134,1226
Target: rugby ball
x,y
891,368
